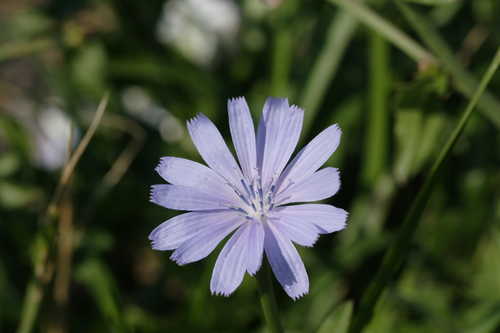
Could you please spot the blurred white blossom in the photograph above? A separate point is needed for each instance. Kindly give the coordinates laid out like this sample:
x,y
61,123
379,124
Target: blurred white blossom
x,y
198,27
138,103
51,138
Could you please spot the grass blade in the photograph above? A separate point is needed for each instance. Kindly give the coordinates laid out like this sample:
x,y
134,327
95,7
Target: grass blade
x,y
340,33
377,138
35,289
463,81
387,29
397,251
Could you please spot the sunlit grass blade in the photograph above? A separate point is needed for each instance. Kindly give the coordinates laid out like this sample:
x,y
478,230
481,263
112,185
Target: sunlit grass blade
x,y
339,34
387,29
463,81
398,249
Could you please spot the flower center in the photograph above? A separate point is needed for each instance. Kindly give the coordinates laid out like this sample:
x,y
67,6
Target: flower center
x,y
257,201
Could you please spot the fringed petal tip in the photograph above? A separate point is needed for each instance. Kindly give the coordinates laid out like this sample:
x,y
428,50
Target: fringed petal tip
x,y
175,257
234,100
156,246
312,243
152,236
197,119
221,293
335,127
343,217
153,194
296,297
162,164
295,108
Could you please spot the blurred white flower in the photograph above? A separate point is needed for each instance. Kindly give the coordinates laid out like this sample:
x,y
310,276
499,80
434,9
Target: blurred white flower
x,y
198,27
51,138
139,104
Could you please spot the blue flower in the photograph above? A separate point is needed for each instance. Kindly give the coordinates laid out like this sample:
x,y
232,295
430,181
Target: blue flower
x,y
249,199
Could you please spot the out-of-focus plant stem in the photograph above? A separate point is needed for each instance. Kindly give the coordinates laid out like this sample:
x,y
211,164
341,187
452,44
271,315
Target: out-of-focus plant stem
x,y
69,168
268,299
377,137
62,278
399,247
43,239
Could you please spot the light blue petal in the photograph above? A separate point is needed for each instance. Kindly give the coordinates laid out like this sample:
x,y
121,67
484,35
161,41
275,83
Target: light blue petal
x,y
205,240
285,263
326,218
295,229
279,132
255,247
311,157
243,134
172,233
179,171
242,252
186,198
211,146
231,263
320,185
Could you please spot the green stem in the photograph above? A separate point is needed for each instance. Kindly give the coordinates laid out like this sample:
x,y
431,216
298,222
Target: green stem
x,y
35,288
378,120
33,297
267,298
396,253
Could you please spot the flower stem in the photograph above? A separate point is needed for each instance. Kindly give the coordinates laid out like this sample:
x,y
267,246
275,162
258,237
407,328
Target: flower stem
x,y
267,298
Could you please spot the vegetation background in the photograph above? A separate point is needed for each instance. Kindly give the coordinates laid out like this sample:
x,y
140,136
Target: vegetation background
x,y
395,75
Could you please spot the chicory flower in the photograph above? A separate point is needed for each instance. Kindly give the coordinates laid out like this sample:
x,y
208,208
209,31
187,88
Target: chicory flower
x,y
249,200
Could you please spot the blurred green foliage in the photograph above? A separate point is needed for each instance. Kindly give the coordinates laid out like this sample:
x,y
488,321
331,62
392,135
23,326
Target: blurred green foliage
x,y
164,61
